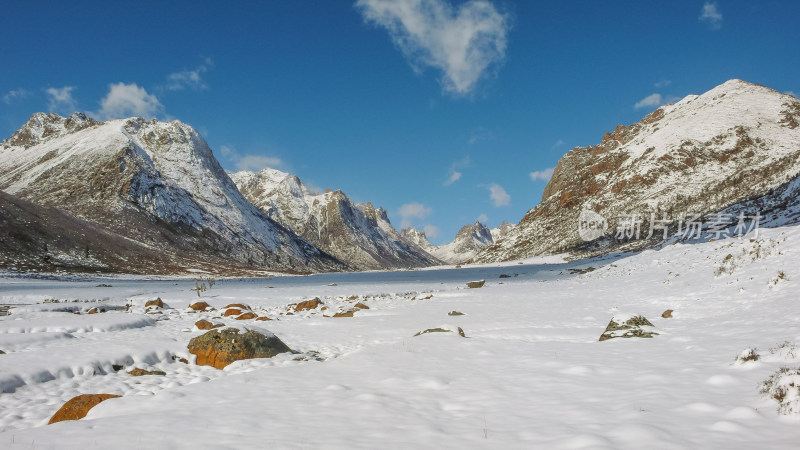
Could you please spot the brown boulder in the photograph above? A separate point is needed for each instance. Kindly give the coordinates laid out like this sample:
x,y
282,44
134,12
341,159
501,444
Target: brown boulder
x,y
218,349
263,318
308,304
361,306
137,372
345,313
206,325
156,302
77,407
95,310
247,316
200,306
238,305
667,314
476,284
232,312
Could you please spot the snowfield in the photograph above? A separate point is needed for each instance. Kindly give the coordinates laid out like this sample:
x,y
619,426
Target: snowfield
x,y
530,372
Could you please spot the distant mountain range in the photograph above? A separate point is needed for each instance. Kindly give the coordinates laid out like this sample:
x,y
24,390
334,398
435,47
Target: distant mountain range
x,y
153,185
359,235
137,196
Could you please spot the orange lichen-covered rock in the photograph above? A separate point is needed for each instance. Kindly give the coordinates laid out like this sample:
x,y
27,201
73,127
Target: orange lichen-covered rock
x,y
308,304
206,325
200,306
232,312
77,407
220,348
247,316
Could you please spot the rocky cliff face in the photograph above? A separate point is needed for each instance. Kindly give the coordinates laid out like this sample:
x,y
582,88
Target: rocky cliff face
x,y
155,183
419,238
469,240
736,142
360,235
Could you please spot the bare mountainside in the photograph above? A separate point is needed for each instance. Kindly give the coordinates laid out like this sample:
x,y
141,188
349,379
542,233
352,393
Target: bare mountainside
x,y
154,183
359,235
737,142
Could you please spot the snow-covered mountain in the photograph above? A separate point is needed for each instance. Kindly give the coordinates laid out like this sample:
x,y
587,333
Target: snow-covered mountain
x,y
469,240
736,142
501,230
359,235
154,183
419,238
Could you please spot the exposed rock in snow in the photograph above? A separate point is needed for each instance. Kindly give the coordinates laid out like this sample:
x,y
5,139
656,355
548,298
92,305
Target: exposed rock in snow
x,y
736,142
469,240
501,230
153,183
415,236
360,235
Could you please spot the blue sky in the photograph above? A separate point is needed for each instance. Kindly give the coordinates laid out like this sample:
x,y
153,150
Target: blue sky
x,y
441,111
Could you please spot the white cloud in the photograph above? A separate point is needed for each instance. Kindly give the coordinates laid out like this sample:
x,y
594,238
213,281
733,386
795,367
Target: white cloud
x,y
462,42
482,218
498,195
650,101
254,163
662,84
189,79
455,170
14,94
542,175
127,100
411,211
454,176
711,15
481,134
60,100
431,231
558,143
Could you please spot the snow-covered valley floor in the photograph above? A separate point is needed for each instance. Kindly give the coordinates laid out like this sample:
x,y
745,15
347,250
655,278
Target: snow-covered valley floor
x,y
530,373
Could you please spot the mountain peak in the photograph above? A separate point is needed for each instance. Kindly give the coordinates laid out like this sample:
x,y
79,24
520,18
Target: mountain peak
x,y
43,127
699,155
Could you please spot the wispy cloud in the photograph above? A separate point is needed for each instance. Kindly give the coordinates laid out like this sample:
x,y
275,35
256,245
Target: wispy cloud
x,y
455,170
462,42
650,101
481,134
410,211
13,95
482,218
542,175
558,144
711,15
498,195
454,176
189,79
431,231
790,93
129,100
662,83
253,163
60,100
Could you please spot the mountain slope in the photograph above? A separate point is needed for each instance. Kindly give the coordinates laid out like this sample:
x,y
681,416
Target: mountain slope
x,y
469,240
359,235
156,183
737,141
